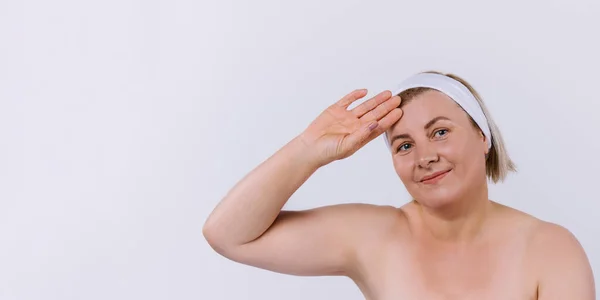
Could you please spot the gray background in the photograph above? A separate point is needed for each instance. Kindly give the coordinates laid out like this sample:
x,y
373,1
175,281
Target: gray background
x,y
123,123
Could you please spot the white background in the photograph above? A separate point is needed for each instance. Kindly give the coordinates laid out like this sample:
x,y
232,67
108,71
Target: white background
x,y
123,123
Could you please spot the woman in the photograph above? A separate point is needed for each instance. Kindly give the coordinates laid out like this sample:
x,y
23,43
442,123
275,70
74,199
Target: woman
x,y
450,242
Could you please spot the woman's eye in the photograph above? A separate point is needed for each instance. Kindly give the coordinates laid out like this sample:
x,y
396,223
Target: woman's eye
x,y
440,132
404,147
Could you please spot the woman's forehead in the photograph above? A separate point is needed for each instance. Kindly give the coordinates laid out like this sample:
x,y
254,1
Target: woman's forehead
x,y
430,100
429,105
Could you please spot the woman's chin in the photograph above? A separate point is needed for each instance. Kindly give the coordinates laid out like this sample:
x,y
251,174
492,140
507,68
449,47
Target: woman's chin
x,y
437,198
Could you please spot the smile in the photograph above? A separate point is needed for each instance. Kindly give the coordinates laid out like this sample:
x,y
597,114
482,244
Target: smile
x,y
435,178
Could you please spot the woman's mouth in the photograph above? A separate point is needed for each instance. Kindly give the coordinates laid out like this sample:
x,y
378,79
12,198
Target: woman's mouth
x,y
435,177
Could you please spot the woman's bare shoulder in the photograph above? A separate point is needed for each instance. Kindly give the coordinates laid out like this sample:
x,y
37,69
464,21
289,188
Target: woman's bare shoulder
x,y
512,218
562,267
552,247
536,229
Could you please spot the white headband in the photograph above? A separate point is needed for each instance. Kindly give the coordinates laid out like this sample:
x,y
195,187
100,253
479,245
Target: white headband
x,y
453,89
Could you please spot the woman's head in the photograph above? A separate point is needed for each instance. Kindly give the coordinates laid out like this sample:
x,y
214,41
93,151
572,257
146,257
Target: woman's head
x,y
436,135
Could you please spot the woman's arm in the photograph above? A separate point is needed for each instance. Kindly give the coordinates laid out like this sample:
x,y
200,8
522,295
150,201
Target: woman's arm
x,y
248,225
252,205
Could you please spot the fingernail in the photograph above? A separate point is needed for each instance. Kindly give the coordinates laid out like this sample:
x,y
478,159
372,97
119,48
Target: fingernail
x,y
373,126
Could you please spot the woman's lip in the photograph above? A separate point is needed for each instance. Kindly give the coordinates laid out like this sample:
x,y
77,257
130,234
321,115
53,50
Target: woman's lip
x,y
436,178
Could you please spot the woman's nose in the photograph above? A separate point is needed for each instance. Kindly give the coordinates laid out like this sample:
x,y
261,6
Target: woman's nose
x,y
427,156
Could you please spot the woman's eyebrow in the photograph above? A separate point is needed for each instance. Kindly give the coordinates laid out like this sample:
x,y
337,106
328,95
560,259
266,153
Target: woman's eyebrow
x,y
399,136
430,123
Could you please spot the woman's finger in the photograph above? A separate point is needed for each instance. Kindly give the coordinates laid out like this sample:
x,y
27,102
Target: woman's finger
x,y
350,98
371,104
360,137
370,130
386,122
390,119
382,109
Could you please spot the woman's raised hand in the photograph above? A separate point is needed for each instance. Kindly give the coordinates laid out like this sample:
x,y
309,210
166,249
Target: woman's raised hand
x,y
339,132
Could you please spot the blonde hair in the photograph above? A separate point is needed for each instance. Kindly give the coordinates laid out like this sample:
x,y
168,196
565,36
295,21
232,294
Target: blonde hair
x,y
498,163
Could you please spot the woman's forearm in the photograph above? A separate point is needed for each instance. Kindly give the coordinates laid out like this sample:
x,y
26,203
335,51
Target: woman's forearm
x,y
254,203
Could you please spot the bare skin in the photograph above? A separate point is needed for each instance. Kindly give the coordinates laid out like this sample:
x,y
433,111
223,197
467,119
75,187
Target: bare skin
x,y
452,242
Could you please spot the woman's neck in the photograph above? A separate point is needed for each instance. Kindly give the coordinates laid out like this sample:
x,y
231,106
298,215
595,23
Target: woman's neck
x,y
460,221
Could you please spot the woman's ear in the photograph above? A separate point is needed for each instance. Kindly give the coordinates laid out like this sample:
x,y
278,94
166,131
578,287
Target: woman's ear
x,y
484,139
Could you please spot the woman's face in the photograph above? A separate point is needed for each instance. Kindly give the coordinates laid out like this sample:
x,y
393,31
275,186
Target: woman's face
x,y
437,152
